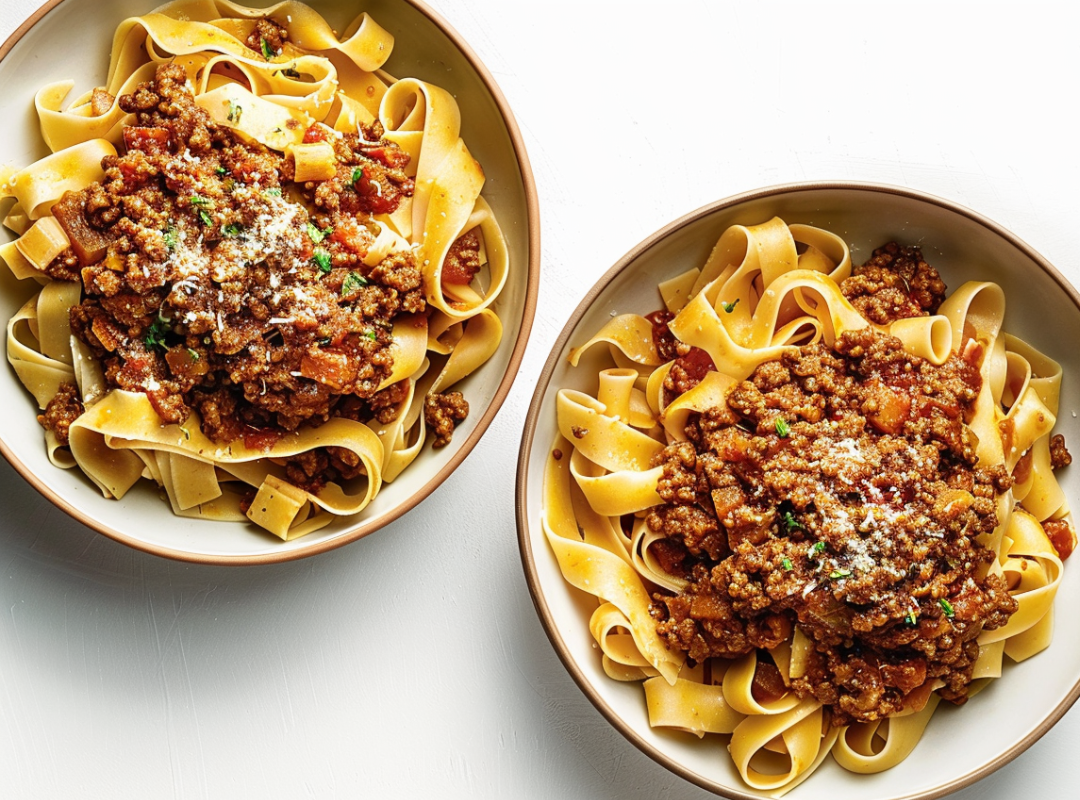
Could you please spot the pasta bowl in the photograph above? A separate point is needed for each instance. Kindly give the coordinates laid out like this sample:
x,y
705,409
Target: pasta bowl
x,y
400,44
601,629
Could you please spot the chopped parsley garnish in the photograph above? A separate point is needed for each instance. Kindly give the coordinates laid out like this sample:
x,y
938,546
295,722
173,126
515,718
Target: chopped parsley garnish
x,y
322,260
171,238
839,573
222,171
268,54
793,524
275,192
235,110
371,335
316,235
729,307
357,174
946,606
233,229
786,564
352,282
817,549
782,428
201,203
155,334
194,354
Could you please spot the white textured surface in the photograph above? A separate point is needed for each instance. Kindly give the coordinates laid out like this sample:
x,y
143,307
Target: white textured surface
x,y
411,663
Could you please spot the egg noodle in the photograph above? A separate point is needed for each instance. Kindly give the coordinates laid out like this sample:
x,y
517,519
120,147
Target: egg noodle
x,y
764,290
316,78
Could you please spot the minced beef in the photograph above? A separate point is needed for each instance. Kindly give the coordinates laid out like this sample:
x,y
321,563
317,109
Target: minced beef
x,y
208,288
1059,454
895,283
65,407
267,37
442,412
838,491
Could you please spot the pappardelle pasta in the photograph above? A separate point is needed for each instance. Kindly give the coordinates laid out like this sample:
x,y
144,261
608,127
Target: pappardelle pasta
x,y
812,499
264,264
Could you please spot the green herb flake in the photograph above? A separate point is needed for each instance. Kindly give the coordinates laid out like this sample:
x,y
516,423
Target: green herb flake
x,y
352,282
791,523
786,564
194,354
233,229
199,200
836,574
357,174
316,235
155,334
322,260
268,54
782,428
235,110
371,335
946,606
205,218
222,171
910,618
817,549
171,238
275,192
729,307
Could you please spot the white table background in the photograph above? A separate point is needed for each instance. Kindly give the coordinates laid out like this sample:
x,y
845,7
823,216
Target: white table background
x,y
411,663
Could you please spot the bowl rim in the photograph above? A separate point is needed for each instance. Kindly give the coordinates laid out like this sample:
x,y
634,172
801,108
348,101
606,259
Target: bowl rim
x,y
532,283
536,407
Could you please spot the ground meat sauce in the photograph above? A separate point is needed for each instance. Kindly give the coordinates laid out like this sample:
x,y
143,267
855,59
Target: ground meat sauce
x,y
838,492
210,286
896,283
65,407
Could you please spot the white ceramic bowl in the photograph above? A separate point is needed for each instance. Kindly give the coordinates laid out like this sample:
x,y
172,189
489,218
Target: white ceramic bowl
x,y
70,39
962,744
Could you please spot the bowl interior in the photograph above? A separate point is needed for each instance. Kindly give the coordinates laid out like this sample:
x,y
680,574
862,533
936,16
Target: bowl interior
x,y
961,744
425,47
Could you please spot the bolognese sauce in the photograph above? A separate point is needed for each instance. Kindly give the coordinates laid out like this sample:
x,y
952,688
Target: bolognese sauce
x,y
838,491
215,283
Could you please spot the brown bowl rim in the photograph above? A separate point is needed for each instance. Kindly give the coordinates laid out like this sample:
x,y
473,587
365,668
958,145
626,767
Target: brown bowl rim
x,y
516,356
535,409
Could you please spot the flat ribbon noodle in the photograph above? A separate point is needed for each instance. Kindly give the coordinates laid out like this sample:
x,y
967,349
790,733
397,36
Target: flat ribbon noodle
x,y
104,438
41,374
855,749
689,706
191,27
631,334
614,634
599,571
1033,565
738,690
800,729
38,186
